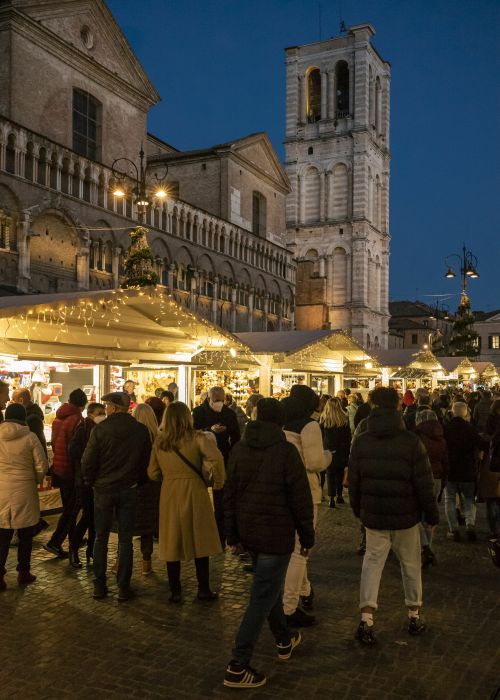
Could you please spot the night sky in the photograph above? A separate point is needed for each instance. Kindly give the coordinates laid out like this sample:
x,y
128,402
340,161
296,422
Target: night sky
x,y
219,67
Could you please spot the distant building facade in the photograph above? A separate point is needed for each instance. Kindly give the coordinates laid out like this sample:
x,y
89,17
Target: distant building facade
x,y
413,323
337,159
488,327
73,97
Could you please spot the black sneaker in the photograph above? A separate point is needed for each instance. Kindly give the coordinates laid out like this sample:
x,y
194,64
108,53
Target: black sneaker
x,y
238,676
364,634
100,590
125,593
285,650
56,549
307,601
416,626
300,619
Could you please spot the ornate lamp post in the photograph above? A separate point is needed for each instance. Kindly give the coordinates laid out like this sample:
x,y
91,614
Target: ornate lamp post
x,y
464,339
143,186
468,267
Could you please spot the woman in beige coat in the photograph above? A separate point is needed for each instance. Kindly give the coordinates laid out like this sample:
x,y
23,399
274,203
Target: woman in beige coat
x,y
187,529
23,465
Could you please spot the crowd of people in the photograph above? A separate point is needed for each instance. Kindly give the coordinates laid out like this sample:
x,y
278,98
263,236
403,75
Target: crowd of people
x,y
251,481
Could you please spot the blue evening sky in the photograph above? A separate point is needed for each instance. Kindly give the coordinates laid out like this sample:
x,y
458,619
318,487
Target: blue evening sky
x,y
219,67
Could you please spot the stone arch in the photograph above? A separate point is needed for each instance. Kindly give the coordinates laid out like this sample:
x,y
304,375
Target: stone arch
x,y
53,252
10,154
313,94
341,89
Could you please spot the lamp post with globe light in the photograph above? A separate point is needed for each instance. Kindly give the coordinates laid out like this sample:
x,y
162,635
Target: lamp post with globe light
x,y
146,187
464,340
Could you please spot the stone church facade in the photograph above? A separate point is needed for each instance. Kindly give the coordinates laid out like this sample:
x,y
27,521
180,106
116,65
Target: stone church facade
x,y
337,159
73,98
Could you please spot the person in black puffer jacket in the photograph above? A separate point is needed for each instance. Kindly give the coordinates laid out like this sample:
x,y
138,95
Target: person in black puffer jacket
x,y
390,486
267,498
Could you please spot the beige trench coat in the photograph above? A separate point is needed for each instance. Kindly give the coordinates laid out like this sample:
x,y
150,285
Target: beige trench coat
x,y
187,527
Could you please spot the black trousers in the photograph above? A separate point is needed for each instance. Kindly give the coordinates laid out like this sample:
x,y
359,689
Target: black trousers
x,y
84,501
66,523
25,535
335,477
202,574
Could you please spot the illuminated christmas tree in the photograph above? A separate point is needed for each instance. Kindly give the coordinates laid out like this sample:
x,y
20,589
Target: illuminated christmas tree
x,y
463,341
139,271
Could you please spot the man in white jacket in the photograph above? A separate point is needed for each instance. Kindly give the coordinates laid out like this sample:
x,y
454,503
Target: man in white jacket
x,y
303,432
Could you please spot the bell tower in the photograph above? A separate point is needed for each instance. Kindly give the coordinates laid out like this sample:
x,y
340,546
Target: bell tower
x,y
337,158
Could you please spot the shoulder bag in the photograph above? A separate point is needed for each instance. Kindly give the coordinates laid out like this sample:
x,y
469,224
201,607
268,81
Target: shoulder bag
x,y
187,462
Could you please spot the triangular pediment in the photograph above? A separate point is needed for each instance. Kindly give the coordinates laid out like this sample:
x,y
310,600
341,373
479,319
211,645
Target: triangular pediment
x,y
258,150
91,30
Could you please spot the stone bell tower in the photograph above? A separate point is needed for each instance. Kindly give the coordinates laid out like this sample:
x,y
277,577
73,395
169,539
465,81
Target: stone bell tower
x,y
337,158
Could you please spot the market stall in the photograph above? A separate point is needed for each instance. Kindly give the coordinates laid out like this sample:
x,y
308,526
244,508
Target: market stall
x,y
313,357
95,339
468,374
409,369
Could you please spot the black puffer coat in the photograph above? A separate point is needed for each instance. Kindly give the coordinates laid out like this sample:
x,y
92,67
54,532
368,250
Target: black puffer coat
x,y
390,477
463,442
267,495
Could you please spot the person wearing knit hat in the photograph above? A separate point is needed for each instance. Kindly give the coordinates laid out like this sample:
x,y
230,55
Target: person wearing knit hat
x,y
408,398
23,465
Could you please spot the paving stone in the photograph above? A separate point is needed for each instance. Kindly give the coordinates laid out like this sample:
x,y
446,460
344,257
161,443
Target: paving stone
x,y
57,642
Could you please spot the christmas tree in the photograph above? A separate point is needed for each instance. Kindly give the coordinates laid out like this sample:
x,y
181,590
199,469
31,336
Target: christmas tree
x,y
463,341
139,270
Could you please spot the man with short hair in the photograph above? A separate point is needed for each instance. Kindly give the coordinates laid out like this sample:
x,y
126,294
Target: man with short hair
x,y
390,487
4,397
174,389
167,397
114,463
129,388
68,416
267,500
215,417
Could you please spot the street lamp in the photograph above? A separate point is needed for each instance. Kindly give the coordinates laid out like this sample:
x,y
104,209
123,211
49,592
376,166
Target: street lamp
x,y
144,186
468,267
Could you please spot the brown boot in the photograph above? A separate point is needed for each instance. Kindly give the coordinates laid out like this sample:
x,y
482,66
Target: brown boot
x,y
146,567
25,577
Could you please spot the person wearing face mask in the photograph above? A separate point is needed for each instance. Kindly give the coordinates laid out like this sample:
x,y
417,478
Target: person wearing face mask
x,y
96,413
214,416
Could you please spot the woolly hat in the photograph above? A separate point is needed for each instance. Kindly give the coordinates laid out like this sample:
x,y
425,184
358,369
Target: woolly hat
x,y
408,398
15,411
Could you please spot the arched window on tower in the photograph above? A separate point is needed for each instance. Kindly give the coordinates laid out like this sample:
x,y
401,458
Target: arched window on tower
x,y
259,214
314,95
342,89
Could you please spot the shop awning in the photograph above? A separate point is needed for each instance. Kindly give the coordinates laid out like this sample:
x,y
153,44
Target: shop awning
x,y
323,351
123,326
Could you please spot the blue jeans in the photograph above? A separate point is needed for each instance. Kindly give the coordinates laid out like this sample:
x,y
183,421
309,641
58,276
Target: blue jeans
x,y
468,490
266,602
122,502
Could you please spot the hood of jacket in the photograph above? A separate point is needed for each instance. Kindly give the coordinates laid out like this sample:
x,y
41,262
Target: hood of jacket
x,y
297,414
384,422
431,429
66,410
261,434
10,430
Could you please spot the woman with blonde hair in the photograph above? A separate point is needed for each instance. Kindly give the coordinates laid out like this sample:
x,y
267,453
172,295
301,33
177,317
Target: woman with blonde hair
x,y
183,459
336,438
148,495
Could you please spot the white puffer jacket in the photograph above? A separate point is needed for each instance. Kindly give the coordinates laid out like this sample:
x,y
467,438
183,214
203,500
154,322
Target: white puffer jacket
x,y
23,465
309,443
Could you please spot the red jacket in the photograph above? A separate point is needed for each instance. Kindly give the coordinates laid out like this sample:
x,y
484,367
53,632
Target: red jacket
x,y
65,423
432,435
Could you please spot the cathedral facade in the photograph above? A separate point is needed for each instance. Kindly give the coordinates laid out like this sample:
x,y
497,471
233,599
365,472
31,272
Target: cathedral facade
x,y
337,159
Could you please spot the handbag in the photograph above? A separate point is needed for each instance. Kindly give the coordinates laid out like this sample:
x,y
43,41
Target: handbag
x,y
207,480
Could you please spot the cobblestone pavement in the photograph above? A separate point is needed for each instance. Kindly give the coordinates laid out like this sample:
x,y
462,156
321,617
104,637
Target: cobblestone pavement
x,y
56,642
